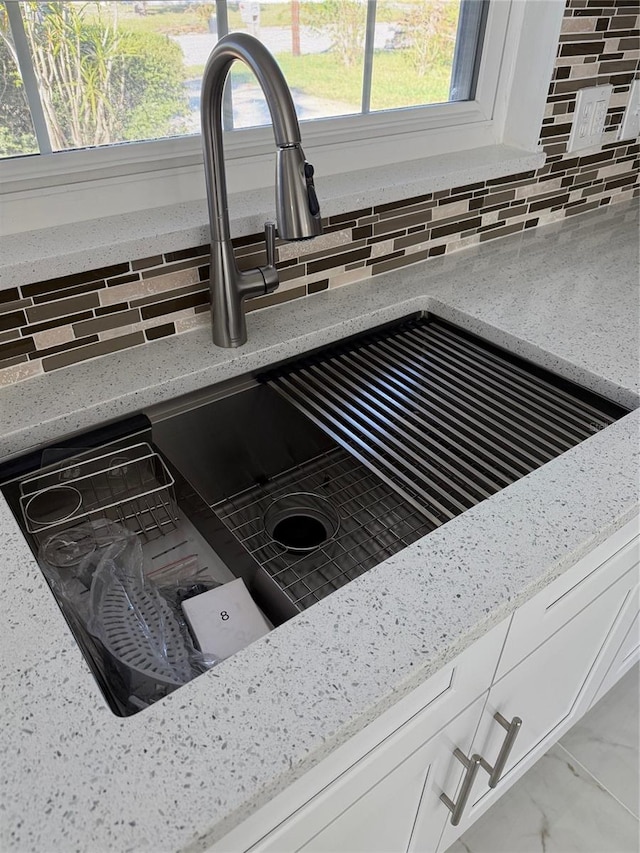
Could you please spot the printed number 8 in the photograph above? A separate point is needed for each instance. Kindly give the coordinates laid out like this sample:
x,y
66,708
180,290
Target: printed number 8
x,y
224,615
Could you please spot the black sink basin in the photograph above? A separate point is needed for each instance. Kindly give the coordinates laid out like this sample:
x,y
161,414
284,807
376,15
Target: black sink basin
x,y
284,505
363,447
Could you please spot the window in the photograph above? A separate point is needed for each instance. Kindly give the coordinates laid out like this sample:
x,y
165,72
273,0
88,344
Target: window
x,y
99,73
376,83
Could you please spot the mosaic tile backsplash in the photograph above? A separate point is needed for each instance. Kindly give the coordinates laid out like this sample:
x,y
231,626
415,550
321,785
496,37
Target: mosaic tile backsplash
x,y
48,325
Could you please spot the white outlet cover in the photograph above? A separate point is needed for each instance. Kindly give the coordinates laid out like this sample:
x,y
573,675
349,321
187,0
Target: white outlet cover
x,y
589,117
630,127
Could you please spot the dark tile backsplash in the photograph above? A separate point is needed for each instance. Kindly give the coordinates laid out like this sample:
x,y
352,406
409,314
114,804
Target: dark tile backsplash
x,y
48,325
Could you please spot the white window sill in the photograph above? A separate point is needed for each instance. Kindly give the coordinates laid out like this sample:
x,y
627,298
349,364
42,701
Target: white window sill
x,y
51,252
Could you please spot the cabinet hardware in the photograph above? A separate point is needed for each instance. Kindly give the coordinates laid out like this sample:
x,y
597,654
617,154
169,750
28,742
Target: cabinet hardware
x,y
512,728
472,765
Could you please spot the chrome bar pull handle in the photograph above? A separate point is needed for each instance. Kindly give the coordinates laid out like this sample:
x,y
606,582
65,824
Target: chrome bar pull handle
x,y
512,729
472,765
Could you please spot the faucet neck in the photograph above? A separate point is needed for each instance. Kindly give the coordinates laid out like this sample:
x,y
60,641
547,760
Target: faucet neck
x,y
297,207
283,115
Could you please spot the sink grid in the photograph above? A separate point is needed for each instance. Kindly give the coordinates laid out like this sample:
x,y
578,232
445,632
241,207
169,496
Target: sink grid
x,y
375,523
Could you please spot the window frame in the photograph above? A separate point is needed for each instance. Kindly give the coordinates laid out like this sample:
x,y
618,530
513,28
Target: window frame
x,y
518,54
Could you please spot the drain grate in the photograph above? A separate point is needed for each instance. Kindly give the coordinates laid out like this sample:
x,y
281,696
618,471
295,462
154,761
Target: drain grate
x,y
444,418
374,523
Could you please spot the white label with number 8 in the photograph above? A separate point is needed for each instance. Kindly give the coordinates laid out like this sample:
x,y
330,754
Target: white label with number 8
x,y
224,620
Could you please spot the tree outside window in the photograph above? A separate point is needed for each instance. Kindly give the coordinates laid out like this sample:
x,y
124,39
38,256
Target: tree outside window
x,y
111,72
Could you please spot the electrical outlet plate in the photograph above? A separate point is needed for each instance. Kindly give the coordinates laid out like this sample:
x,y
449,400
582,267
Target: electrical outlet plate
x,y
589,117
630,127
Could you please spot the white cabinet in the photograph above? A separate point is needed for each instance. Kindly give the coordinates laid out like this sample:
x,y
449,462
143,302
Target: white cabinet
x,y
382,790
399,812
547,612
549,690
388,763
628,653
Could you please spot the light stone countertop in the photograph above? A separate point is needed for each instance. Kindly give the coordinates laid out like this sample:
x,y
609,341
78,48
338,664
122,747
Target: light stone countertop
x,y
182,773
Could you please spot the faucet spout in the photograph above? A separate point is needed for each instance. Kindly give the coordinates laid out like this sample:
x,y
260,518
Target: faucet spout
x,y
297,208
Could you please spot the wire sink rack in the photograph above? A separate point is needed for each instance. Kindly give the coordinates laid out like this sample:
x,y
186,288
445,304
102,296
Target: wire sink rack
x,y
375,523
130,485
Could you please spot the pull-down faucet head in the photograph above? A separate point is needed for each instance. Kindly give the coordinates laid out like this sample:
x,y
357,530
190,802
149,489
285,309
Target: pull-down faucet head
x,y
298,211
297,208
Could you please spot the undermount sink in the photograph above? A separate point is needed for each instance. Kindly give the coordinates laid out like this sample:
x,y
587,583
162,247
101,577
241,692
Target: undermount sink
x,y
364,447
302,478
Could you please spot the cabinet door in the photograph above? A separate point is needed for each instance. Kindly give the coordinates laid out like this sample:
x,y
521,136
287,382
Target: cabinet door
x,y
545,613
393,752
401,812
627,655
549,690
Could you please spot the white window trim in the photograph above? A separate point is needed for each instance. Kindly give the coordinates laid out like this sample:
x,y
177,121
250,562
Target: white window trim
x,y
518,57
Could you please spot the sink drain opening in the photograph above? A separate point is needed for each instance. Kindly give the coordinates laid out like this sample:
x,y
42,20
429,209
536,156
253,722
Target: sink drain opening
x,y
301,521
300,531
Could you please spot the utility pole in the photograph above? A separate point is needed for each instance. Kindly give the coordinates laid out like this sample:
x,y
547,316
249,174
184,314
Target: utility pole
x,y
295,27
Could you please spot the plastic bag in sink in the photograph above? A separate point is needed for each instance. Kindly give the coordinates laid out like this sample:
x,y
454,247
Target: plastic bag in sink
x,y
96,571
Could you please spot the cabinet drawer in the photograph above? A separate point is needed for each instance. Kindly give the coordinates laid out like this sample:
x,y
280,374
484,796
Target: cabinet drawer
x,y
539,618
293,818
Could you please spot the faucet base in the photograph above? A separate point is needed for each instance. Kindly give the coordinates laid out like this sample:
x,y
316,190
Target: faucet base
x,y
222,334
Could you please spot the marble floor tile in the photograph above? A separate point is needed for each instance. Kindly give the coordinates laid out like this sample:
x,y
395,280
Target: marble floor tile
x,y
556,807
606,741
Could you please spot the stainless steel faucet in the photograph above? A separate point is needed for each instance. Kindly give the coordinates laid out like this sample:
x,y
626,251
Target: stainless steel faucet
x,y
297,208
